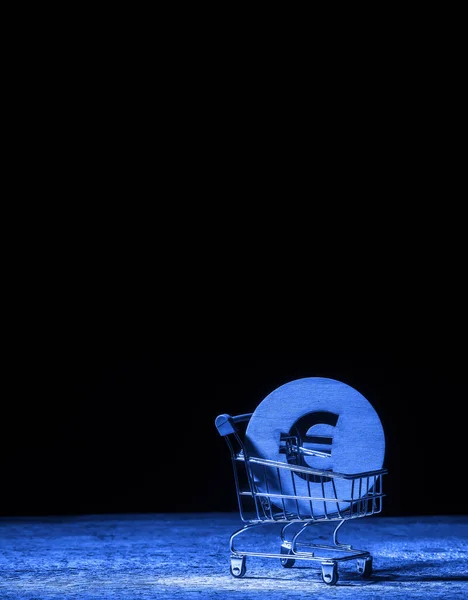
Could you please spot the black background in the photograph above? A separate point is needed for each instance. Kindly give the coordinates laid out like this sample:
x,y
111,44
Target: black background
x,y
103,428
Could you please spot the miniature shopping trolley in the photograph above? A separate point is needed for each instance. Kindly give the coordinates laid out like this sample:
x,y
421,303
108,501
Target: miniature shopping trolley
x,y
264,498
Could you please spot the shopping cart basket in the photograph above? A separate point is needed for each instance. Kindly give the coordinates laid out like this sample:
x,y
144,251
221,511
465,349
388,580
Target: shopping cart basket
x,y
259,485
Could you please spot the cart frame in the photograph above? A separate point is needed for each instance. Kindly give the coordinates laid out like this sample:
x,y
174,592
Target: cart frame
x,y
258,506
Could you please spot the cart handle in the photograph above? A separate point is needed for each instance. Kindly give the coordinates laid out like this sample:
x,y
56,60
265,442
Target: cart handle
x,y
226,424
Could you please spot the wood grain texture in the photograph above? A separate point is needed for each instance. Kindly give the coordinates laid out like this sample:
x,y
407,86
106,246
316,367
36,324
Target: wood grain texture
x,y
358,438
186,556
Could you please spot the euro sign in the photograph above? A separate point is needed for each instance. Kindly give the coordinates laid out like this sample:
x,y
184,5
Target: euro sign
x,y
308,443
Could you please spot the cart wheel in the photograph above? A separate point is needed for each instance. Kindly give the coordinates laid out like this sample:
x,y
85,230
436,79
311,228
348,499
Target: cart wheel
x,y
330,573
238,567
287,562
364,567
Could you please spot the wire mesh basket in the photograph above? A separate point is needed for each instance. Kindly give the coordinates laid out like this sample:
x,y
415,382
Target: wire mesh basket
x,y
263,489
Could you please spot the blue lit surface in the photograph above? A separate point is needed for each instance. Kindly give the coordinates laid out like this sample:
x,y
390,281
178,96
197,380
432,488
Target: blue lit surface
x,y
186,556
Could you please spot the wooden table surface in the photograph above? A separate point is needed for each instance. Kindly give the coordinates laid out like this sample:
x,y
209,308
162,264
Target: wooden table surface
x,y
187,556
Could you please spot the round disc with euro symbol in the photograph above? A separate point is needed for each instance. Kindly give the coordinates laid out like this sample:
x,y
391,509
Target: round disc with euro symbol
x,y
319,423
